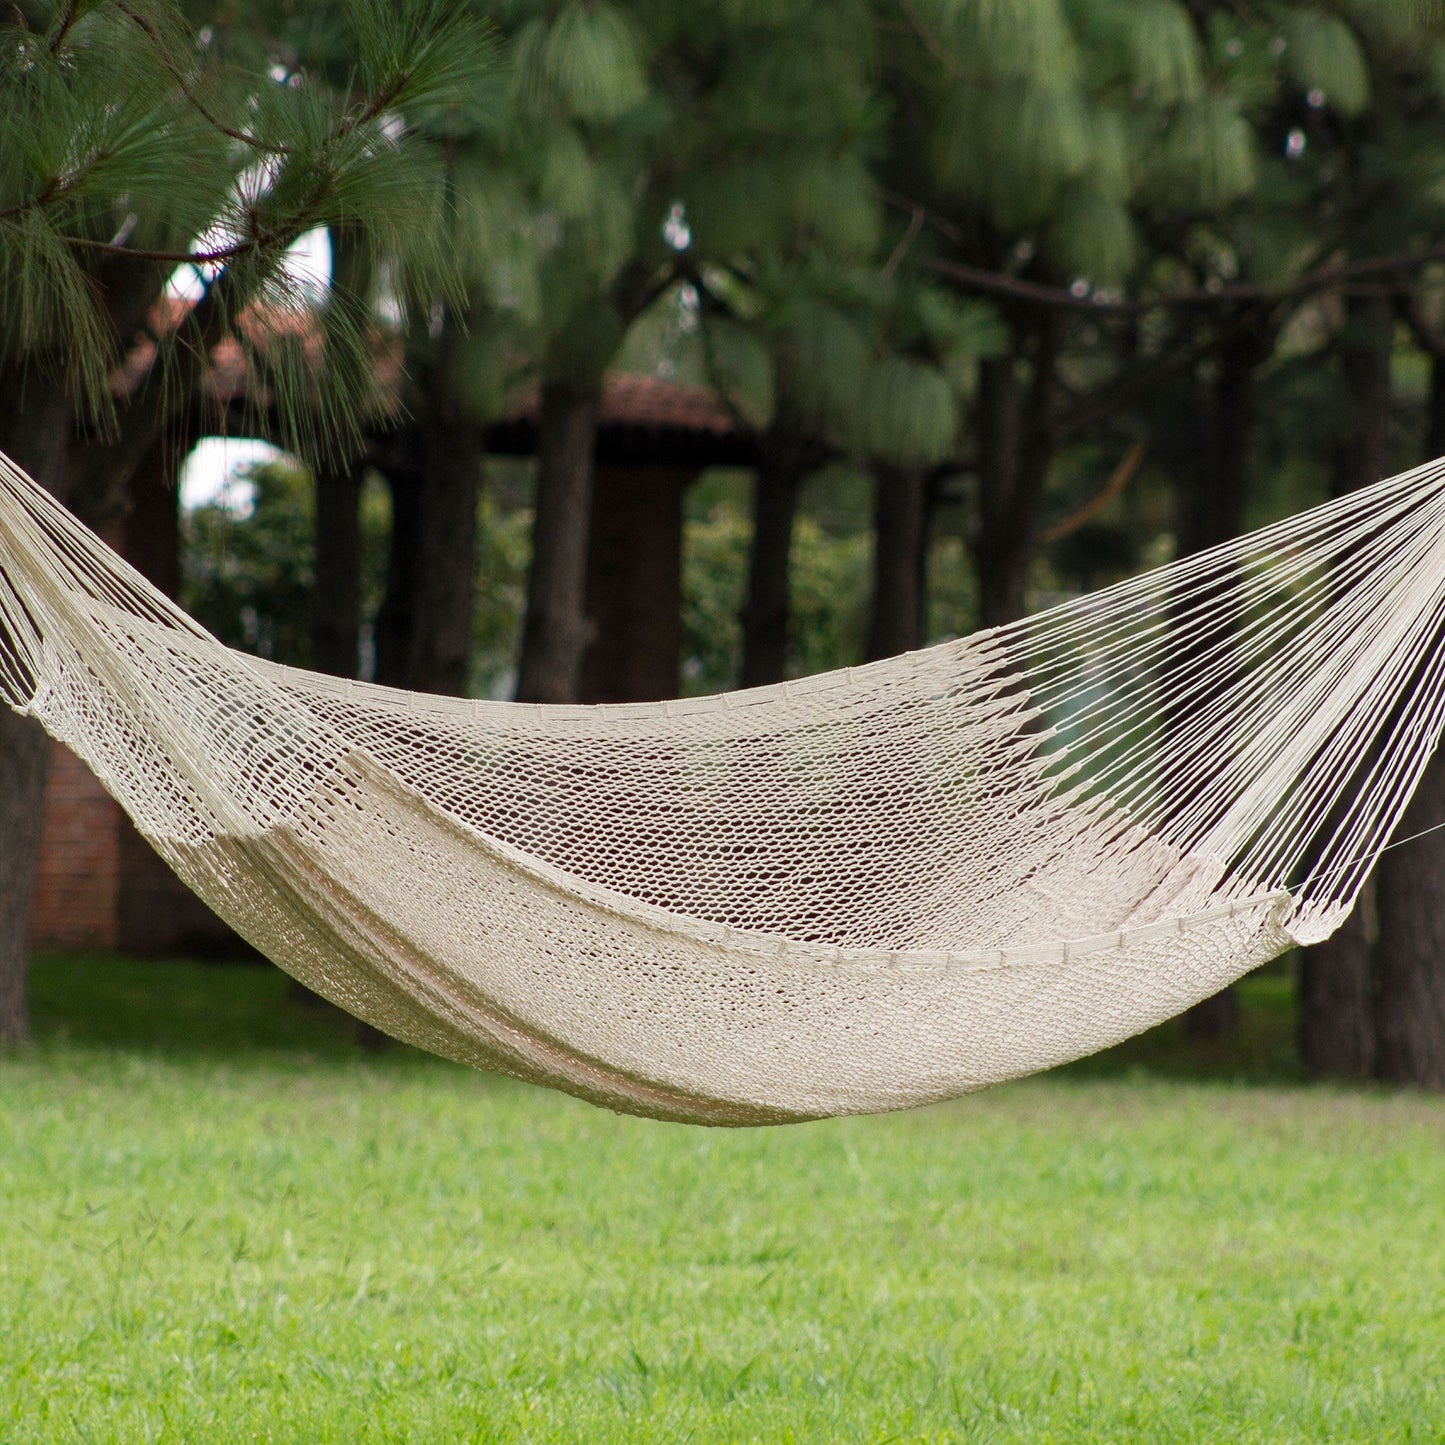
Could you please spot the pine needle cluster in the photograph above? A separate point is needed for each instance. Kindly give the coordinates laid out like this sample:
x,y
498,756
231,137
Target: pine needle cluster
x,y
137,142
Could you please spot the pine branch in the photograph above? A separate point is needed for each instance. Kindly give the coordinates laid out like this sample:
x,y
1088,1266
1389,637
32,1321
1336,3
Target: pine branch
x,y
68,17
1324,277
1428,337
153,35
1103,401
936,48
1119,478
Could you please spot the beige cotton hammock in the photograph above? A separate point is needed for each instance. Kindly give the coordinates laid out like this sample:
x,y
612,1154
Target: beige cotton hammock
x,y
867,890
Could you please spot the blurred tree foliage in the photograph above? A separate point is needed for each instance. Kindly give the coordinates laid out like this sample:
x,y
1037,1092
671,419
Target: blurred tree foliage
x,y
248,560
248,563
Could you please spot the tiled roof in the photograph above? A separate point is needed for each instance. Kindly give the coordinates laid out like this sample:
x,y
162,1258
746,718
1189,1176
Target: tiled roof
x,y
649,403
629,401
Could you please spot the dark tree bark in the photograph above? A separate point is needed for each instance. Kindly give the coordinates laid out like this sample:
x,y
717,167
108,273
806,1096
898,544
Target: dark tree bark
x,y
24,766
433,468
424,625
1212,506
1335,1027
1016,442
1435,421
336,603
336,613
634,584
1409,958
36,436
556,631
1410,954
396,617
440,655
155,912
1212,511
765,614
1364,449
1336,1022
37,432
150,521
900,561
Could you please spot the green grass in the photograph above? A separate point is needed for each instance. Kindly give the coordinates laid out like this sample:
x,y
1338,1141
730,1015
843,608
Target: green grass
x,y
224,1223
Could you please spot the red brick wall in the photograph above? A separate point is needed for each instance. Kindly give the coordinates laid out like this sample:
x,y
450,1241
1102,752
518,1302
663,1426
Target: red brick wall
x,y
77,884
99,884
157,913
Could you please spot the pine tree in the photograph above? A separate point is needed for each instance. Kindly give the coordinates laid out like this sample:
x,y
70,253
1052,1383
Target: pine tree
x,y
1052,145
721,147
136,141
1372,119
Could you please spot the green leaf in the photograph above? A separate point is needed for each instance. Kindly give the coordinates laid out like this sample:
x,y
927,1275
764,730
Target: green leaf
x,y
909,414
821,359
741,369
1005,38
1322,53
1207,158
960,331
1010,147
836,202
735,207
1091,236
1111,167
484,370
417,54
1435,68
586,62
583,346
48,310
567,183
1163,49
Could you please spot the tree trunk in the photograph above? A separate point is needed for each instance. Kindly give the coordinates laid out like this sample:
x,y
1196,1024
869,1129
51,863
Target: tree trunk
x,y
396,617
150,512
24,765
554,636
1335,1028
1016,442
336,602
1409,961
37,433
440,655
424,626
36,438
634,584
1435,421
765,612
1336,1018
900,561
1410,955
1213,512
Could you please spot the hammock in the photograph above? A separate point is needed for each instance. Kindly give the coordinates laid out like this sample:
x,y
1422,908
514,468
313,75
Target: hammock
x,y
868,890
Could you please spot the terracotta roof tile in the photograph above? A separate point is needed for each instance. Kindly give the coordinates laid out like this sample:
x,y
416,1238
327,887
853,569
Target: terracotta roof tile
x,y
650,403
629,401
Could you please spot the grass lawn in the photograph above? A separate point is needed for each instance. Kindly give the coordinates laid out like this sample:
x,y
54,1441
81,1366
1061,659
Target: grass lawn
x,y
221,1222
